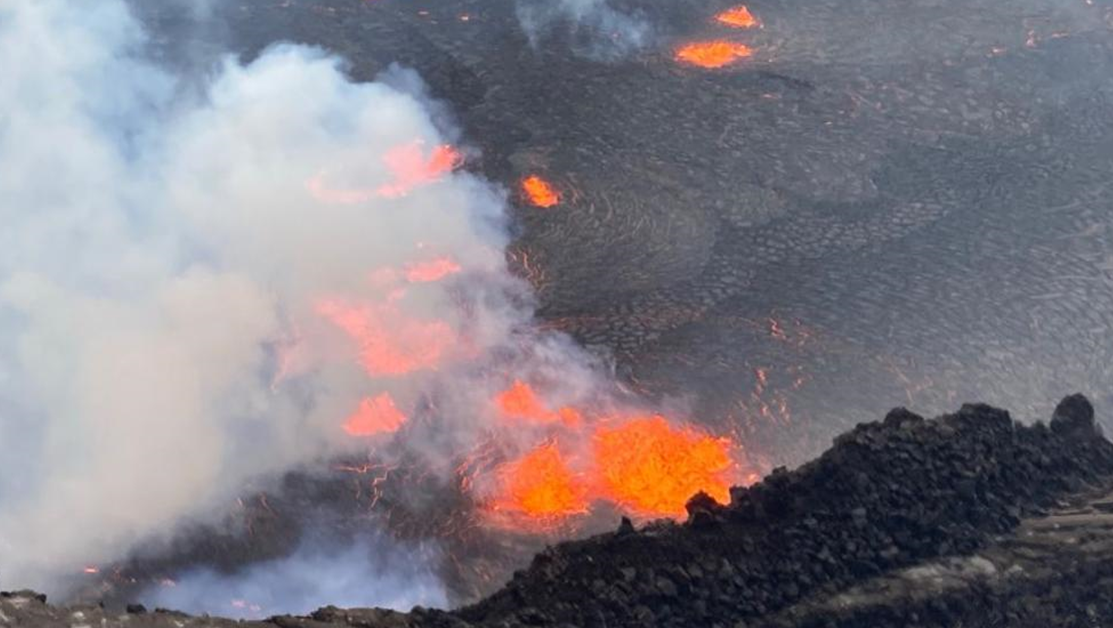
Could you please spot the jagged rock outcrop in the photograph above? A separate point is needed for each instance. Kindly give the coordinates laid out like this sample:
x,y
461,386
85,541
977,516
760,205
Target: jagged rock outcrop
x,y
961,520
1053,571
886,496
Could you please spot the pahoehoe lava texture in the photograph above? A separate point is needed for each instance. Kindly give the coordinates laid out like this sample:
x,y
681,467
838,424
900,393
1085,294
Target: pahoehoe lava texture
x,y
889,203
924,188
825,544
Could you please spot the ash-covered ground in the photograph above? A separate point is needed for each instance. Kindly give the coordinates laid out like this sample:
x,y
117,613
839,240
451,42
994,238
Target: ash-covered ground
x,y
885,204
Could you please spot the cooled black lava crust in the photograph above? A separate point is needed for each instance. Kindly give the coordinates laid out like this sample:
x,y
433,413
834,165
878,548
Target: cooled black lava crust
x,y
890,203
914,194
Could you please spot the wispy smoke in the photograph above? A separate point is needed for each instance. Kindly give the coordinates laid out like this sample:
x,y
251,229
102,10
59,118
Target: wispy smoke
x,y
366,573
596,28
165,260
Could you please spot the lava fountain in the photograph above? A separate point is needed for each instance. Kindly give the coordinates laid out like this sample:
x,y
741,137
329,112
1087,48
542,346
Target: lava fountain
x,y
653,468
539,489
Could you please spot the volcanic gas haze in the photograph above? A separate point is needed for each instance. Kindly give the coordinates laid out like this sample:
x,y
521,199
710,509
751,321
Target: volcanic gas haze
x,y
598,29
199,292
180,311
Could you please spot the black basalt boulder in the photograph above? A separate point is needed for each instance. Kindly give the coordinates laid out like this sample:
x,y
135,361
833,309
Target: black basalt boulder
x,y
1074,418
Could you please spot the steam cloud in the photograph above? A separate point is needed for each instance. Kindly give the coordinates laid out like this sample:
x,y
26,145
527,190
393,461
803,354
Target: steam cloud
x,y
163,261
305,580
597,29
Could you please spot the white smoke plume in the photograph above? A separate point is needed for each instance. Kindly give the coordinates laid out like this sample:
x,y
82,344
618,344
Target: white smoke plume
x,y
386,574
188,285
597,29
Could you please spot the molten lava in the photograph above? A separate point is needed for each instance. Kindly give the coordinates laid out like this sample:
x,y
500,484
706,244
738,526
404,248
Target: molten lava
x,y
375,415
738,17
521,402
389,342
434,270
411,168
540,485
713,54
651,468
540,192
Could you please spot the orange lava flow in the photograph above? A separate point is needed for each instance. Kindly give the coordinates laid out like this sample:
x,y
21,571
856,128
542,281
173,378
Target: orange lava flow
x,y
540,484
738,17
521,402
375,415
540,192
651,468
411,168
434,270
713,54
389,342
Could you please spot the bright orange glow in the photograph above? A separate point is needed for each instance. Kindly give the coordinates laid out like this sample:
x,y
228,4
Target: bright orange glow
x,y
521,402
540,484
570,416
389,342
411,168
375,415
433,270
648,466
738,17
712,54
91,570
540,192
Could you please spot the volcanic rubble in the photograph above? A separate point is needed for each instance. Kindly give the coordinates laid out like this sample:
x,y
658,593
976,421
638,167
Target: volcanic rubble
x,y
967,519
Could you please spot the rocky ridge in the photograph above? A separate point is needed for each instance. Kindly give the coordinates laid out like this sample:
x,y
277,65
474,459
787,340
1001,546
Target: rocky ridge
x,y
964,518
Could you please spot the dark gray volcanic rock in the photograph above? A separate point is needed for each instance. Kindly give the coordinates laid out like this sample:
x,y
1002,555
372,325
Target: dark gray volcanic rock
x,y
888,201
1051,571
885,496
970,517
